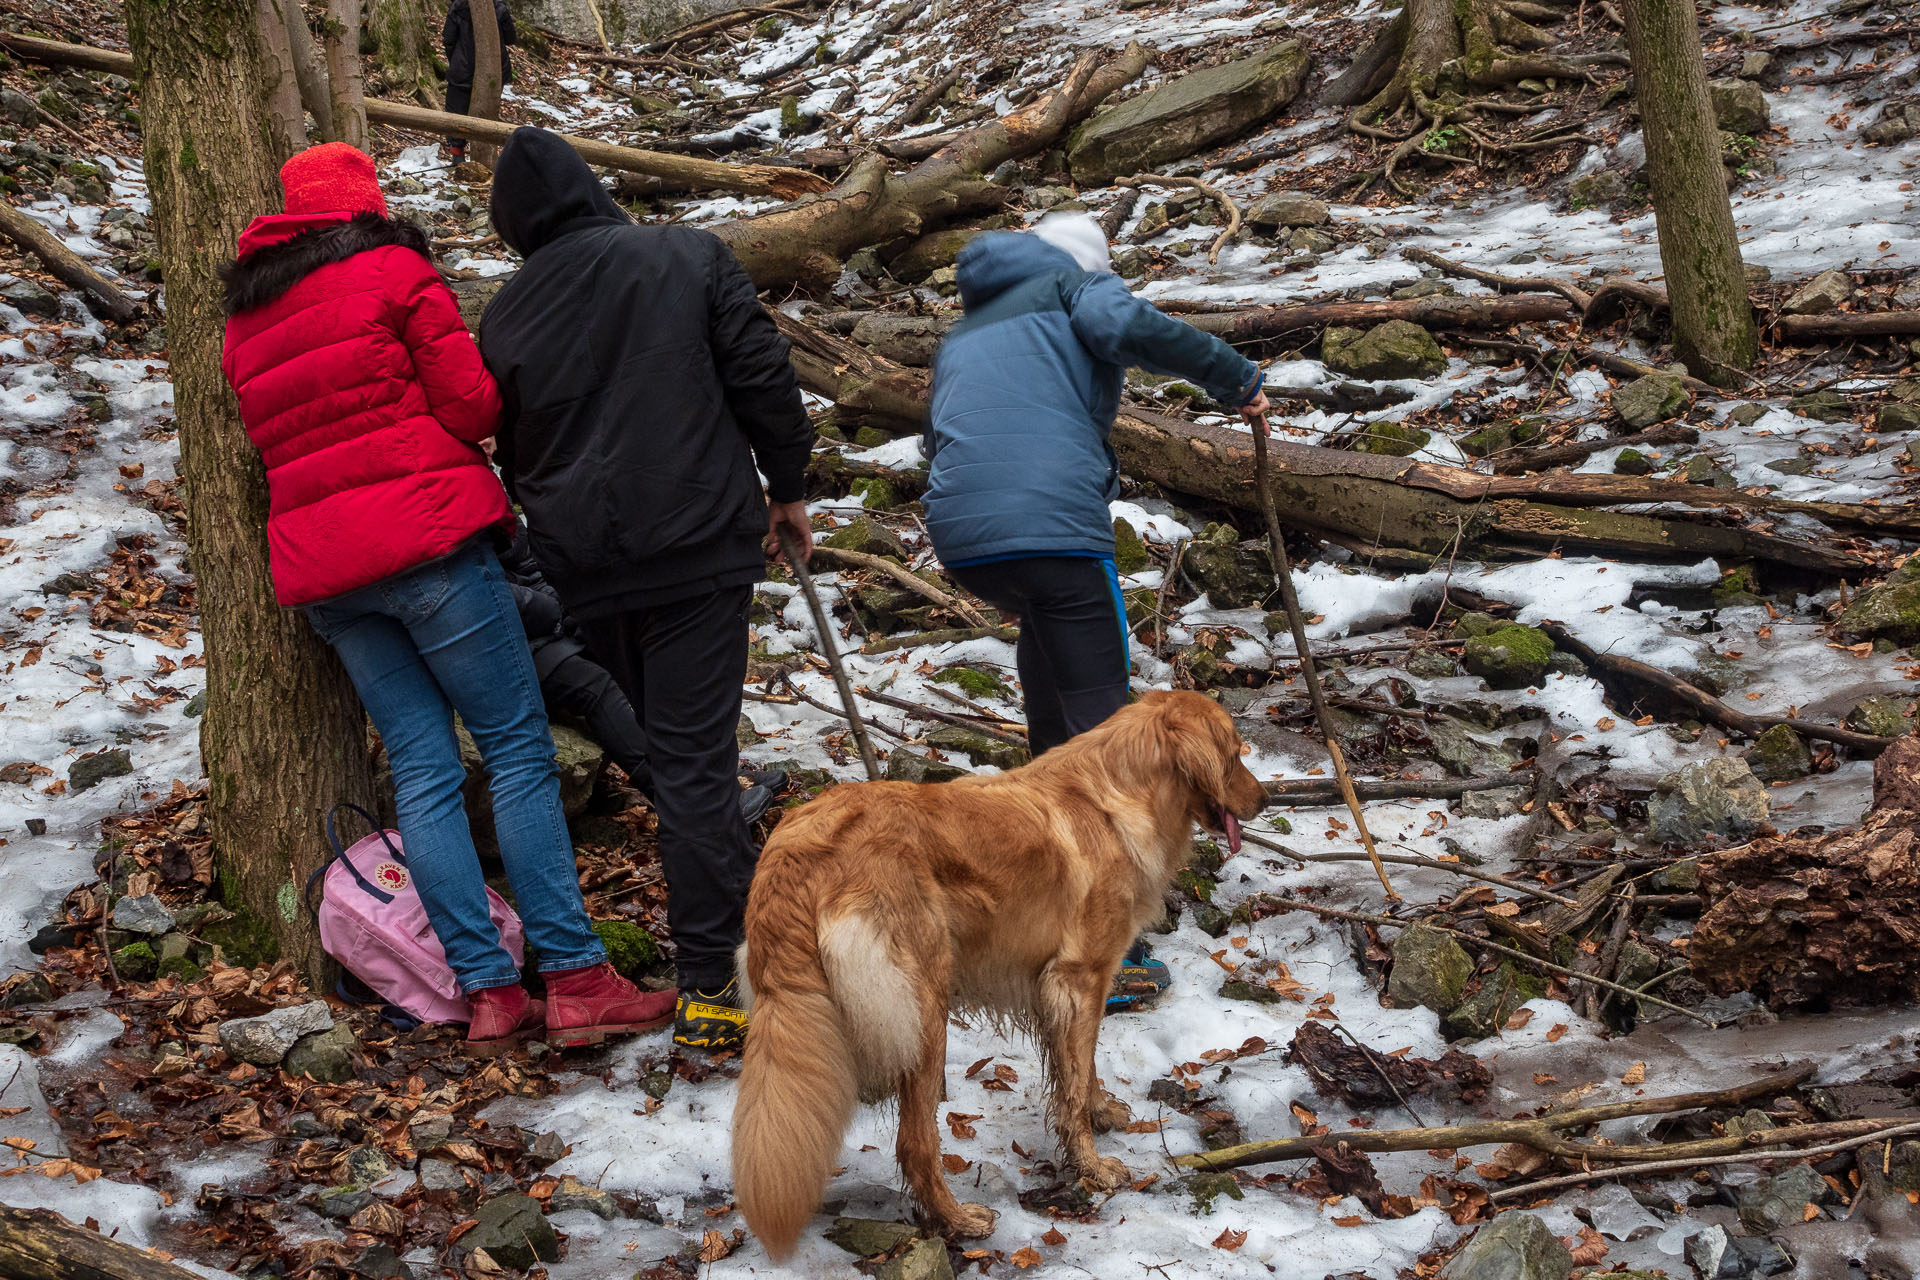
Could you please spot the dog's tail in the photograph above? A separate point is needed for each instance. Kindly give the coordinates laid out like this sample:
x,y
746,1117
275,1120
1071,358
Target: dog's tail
x,y
832,1012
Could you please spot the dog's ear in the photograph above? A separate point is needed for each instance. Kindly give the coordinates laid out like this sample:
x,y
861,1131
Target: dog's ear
x,y
1193,745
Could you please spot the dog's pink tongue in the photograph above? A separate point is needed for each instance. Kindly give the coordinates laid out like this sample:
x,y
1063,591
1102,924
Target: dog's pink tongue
x,y
1231,825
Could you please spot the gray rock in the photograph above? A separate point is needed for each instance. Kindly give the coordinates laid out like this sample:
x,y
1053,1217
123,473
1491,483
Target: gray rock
x,y
923,1260
1653,398
1423,289
1514,1246
1396,349
1824,293
326,1057
1782,1200
1430,664
264,1041
1739,106
622,21
1187,114
910,766
1288,209
90,771
1307,240
1429,969
441,1175
30,299
429,1131
977,747
1715,1254
363,1165
1233,575
1778,755
1718,797
16,107
1501,802
865,1237
144,914
1892,418
1485,1012
341,1202
1822,406
514,1233
575,1194
1745,415
1754,65
1598,190
1882,715
1890,611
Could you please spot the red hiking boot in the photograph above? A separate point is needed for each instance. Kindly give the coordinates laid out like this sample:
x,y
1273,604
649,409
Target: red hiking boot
x,y
502,1018
585,1006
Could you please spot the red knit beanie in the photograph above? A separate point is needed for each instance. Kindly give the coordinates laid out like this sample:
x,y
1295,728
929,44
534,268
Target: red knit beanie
x,y
332,178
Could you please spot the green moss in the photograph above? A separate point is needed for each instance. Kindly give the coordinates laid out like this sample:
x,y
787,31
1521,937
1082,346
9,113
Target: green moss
x,y
877,493
1737,586
1393,440
1205,1188
1129,553
1632,462
189,158
973,682
136,961
791,122
182,968
1509,657
870,437
630,948
1195,884
768,27
245,940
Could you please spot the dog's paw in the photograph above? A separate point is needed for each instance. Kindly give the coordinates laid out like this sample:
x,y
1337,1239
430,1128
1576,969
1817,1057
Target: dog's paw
x,y
1106,1173
1109,1113
972,1222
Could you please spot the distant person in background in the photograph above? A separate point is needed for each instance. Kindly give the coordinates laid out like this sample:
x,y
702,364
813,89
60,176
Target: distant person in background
x,y
1025,391
456,39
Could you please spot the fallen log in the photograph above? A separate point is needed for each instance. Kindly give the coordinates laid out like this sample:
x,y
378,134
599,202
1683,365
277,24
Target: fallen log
x,y
924,100
1319,791
703,175
39,1244
808,241
1849,324
1542,1133
1521,461
1258,324
1824,920
1702,703
911,581
714,25
103,297
956,635
1505,284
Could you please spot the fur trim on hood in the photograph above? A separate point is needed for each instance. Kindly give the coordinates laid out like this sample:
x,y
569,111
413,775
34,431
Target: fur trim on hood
x,y
263,274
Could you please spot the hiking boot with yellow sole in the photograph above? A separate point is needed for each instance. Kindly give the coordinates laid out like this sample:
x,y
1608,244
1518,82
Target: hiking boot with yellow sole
x,y
711,1020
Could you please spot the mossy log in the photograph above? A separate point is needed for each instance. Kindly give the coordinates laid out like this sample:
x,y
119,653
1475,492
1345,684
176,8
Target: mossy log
x,y
103,297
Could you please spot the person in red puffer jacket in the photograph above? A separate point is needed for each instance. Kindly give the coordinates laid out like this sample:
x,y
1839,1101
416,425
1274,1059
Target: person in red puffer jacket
x,y
368,401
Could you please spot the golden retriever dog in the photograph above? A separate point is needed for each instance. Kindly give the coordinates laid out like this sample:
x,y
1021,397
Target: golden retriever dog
x,y
882,905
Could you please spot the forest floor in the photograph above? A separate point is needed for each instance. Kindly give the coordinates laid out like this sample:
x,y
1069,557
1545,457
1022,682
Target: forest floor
x,y
126,1110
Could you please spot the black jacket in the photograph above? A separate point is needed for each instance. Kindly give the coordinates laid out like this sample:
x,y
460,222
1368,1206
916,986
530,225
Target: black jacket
x,y
642,381
456,41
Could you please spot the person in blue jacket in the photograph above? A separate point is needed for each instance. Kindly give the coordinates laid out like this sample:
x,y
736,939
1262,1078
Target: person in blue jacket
x,y
1025,391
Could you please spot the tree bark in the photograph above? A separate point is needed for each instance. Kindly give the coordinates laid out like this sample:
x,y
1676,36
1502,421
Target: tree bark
x,y
486,75
103,297
405,51
1713,331
309,72
287,116
39,1244
283,738
346,88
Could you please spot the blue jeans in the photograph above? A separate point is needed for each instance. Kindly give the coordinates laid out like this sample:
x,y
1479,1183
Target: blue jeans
x,y
443,637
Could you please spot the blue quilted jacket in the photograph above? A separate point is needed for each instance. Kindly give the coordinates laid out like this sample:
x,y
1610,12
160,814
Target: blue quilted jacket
x,y
1024,395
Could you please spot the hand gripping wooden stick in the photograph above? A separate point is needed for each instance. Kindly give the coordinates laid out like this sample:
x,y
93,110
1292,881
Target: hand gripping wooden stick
x,y
1283,570
824,625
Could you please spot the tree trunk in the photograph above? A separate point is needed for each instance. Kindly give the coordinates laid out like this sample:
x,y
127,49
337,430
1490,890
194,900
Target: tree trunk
x,y
405,49
308,71
283,737
286,114
486,74
346,88
1713,330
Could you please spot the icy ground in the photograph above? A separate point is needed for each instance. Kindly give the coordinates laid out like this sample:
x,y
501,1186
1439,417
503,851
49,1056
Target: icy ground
x,y
70,690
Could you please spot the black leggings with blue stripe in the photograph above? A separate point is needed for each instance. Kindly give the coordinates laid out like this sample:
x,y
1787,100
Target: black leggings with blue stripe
x,y
1073,638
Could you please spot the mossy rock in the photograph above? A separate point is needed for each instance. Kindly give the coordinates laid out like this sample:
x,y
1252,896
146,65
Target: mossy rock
x,y
1486,1011
1430,969
1129,552
1395,349
1881,715
1779,755
1890,611
630,949
869,537
977,747
1822,406
1652,398
1487,441
136,961
1194,883
1205,1188
1703,470
182,968
973,682
243,940
875,492
1510,657
1737,586
870,437
1393,440
791,121
1473,625
1632,462
1233,576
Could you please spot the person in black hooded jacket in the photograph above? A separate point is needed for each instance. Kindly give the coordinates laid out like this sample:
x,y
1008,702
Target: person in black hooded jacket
x,y
456,41
642,383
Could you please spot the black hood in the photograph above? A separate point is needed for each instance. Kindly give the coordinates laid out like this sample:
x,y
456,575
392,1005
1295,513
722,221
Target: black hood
x,y
542,189
263,274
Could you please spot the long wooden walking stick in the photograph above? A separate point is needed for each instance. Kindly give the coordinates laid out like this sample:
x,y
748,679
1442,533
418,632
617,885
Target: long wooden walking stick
x,y
824,625
1283,570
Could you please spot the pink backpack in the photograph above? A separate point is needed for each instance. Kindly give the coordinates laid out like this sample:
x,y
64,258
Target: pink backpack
x,y
373,923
